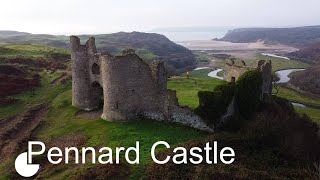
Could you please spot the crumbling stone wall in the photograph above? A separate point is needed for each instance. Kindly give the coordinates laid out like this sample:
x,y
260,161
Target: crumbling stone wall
x,y
127,86
233,70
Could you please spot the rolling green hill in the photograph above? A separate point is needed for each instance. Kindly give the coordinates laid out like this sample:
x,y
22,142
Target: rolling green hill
x,y
150,46
31,51
65,125
258,151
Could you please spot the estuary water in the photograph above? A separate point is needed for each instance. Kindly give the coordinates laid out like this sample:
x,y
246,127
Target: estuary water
x,y
284,74
214,74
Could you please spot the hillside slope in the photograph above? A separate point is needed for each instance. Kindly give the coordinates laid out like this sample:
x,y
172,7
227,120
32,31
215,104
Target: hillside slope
x,y
297,37
309,54
308,80
149,46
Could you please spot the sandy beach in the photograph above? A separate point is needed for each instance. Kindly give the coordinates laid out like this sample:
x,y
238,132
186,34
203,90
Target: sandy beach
x,y
240,50
229,46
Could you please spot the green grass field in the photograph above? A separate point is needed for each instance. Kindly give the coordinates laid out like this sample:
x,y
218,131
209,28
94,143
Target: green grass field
x,y
279,63
202,73
62,121
145,54
187,89
294,96
28,51
314,114
297,97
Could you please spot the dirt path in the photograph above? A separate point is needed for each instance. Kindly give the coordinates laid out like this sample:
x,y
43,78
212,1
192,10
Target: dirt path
x,y
16,131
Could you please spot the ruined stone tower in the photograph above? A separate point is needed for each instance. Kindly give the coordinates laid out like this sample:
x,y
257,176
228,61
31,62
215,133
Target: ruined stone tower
x,y
233,70
127,86
85,90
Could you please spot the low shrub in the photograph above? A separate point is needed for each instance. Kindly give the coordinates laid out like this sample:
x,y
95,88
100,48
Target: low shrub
x,y
276,124
213,104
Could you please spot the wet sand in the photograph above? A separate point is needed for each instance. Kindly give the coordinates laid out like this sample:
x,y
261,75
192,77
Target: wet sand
x,y
228,46
241,50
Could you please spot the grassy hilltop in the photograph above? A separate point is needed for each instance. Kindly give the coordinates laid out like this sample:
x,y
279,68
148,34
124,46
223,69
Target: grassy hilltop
x,y
64,125
30,51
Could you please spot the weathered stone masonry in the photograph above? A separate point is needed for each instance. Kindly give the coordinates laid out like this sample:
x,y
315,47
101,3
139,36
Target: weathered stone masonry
x,y
128,86
233,70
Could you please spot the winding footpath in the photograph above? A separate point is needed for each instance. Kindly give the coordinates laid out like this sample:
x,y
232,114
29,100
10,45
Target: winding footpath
x,y
17,130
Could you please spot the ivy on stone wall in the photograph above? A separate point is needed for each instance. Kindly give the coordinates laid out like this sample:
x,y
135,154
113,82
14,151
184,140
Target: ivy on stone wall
x,y
248,91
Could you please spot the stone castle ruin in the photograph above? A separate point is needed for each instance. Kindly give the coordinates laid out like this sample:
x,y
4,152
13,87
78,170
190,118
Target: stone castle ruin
x,y
233,70
127,86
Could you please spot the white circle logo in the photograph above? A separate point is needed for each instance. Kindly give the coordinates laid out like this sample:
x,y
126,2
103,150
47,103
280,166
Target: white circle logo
x,y
23,168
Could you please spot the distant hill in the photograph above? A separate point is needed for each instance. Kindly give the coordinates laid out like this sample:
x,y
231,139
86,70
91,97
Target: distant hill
x,y
12,33
297,37
309,54
148,45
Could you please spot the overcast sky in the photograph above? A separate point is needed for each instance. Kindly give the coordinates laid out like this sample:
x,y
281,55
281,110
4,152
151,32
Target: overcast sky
x,y
105,16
